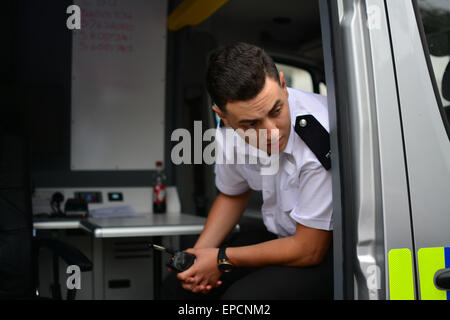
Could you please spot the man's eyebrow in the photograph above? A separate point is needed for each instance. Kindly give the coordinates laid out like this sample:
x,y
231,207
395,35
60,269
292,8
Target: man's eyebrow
x,y
275,105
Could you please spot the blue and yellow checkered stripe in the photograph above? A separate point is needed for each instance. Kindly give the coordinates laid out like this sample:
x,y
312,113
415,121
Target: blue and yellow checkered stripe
x,y
431,260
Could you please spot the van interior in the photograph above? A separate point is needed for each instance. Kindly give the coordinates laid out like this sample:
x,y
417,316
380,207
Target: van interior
x,y
91,110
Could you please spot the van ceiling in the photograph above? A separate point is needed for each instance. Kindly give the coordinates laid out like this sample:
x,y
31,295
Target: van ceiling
x,y
289,26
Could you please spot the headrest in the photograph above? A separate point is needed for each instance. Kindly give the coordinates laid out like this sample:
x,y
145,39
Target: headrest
x,y
446,83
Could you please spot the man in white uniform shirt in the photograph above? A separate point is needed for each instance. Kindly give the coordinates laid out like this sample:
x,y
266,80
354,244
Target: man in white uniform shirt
x,y
293,259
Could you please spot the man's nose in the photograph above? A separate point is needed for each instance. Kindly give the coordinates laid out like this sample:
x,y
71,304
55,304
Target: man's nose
x,y
272,129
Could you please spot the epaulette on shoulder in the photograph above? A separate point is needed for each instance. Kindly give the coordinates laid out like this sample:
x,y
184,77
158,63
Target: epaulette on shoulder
x,y
316,138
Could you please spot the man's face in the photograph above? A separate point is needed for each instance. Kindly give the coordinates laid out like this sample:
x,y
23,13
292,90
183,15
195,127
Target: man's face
x,y
269,110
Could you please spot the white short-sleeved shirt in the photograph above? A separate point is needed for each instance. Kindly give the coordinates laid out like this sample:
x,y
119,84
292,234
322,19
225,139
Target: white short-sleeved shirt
x,y
300,191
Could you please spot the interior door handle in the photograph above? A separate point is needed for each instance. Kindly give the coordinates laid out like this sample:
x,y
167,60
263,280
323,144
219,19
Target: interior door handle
x,y
442,279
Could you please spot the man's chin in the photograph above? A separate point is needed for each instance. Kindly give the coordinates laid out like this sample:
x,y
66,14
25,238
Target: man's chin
x,y
274,150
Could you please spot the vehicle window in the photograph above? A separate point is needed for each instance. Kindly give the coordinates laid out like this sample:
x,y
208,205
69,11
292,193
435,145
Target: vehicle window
x,y
435,16
296,78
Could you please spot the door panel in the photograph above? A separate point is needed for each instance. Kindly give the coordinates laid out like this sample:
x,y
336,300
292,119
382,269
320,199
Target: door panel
x,y
427,146
373,212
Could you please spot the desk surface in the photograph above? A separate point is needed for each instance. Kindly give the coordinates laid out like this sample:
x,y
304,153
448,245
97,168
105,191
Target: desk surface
x,y
151,225
56,223
148,225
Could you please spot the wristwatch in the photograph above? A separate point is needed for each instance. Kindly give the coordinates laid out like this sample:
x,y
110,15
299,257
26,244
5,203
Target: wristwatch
x,y
223,262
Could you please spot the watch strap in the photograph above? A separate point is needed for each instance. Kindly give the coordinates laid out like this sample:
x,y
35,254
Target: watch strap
x,y
221,256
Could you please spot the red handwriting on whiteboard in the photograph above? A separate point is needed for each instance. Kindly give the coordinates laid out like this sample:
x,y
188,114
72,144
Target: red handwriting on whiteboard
x,y
105,27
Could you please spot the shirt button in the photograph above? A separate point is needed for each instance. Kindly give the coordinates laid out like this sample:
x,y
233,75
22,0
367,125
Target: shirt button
x,y
264,161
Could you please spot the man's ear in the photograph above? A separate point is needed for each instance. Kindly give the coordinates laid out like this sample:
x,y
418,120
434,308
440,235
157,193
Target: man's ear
x,y
221,115
283,82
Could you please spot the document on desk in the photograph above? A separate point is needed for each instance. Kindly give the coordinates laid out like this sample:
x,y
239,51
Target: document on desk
x,y
114,212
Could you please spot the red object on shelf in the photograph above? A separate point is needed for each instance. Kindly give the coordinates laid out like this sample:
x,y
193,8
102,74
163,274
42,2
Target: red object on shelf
x,y
159,191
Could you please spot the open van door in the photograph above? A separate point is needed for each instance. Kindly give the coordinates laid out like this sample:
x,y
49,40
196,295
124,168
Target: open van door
x,y
390,151
426,139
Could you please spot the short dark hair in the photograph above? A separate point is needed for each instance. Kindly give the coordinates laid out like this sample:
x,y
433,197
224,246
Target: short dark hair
x,y
238,73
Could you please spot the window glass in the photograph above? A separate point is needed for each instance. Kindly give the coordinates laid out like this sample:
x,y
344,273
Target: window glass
x,y
435,15
296,78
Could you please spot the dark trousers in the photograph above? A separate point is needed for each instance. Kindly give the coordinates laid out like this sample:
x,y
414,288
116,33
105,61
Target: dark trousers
x,y
271,282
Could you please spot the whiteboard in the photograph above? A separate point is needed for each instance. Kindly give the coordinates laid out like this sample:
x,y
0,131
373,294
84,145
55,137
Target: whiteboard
x,y
118,85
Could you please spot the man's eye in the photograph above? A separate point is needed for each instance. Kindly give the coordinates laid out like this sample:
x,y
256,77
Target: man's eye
x,y
251,125
276,112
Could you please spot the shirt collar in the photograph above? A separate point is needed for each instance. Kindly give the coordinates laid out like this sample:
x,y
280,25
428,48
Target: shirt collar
x,y
292,105
290,144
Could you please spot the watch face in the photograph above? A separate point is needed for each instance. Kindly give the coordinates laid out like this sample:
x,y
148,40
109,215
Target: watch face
x,y
225,267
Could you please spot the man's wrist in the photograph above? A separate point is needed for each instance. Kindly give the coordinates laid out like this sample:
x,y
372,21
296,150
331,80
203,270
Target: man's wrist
x,y
223,262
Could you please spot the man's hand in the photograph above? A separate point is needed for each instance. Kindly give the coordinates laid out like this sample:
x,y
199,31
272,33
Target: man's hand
x,y
204,274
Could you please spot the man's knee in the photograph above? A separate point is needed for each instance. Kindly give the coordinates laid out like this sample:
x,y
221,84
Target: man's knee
x,y
276,282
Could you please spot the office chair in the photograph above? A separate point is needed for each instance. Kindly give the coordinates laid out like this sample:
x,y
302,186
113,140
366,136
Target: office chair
x,y
70,255
19,250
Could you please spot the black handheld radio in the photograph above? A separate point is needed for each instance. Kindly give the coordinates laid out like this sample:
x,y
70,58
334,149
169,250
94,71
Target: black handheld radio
x,y
179,260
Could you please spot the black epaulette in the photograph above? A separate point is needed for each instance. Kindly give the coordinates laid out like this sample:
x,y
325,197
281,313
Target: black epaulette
x,y
316,138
